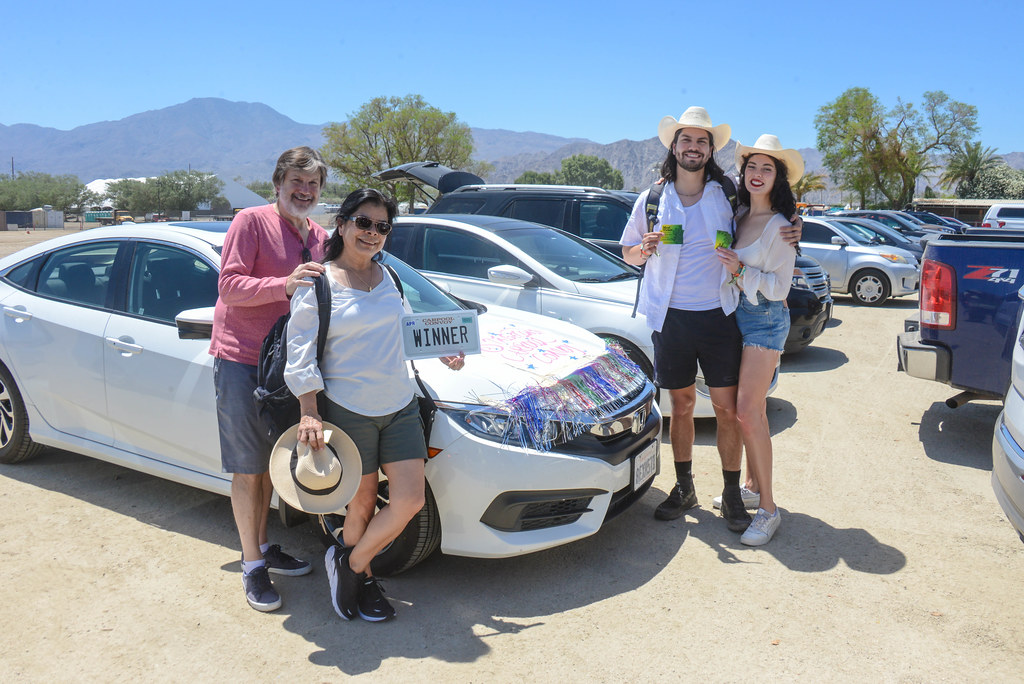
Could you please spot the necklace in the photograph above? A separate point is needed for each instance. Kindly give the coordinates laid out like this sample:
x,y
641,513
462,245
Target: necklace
x,y
365,284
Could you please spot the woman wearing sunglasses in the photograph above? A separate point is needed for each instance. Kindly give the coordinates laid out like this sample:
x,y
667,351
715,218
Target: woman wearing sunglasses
x,y
368,394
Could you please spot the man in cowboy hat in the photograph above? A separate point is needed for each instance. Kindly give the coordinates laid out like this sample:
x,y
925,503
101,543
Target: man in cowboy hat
x,y
681,296
269,252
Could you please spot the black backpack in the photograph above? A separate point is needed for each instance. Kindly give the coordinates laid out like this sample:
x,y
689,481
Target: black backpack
x,y
276,406
654,200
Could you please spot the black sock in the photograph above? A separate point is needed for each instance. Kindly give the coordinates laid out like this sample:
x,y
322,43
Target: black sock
x,y
731,477
683,471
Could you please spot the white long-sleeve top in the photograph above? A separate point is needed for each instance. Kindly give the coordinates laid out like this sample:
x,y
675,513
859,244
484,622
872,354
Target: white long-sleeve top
x,y
769,262
363,369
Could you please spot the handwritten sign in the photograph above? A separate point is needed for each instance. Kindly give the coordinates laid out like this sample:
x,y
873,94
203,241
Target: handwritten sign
x,y
444,333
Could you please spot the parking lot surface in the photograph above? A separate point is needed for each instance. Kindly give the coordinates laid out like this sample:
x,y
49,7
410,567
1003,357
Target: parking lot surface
x,y
893,563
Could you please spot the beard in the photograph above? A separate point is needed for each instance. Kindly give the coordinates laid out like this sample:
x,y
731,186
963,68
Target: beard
x,y
688,164
294,208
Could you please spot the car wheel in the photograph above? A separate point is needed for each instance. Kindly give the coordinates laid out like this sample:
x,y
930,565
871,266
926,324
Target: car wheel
x,y
870,287
290,517
419,539
15,443
633,352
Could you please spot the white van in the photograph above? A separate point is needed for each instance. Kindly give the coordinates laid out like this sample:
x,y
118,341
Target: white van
x,y
1005,216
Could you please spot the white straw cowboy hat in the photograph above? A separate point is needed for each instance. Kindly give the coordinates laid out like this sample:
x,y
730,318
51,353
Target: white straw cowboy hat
x,y
769,144
321,481
694,117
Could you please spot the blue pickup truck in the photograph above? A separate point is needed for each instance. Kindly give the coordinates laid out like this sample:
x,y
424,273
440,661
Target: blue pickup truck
x,y
966,328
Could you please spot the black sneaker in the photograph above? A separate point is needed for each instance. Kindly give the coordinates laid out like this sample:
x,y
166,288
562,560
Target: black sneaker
x,y
280,563
344,583
259,592
733,510
680,499
372,604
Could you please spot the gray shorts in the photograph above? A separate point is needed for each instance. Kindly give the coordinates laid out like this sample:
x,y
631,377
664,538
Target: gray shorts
x,y
244,443
395,437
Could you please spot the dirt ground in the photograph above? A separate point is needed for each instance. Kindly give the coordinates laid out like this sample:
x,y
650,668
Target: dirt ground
x,y
894,563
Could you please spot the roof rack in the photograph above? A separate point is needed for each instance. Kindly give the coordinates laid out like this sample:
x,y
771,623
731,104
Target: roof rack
x,y
529,186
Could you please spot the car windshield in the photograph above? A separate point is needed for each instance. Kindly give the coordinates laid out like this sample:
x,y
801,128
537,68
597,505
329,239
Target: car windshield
x,y
857,232
423,296
568,256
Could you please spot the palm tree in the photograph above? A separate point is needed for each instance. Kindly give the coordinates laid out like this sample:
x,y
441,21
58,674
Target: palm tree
x,y
967,162
808,182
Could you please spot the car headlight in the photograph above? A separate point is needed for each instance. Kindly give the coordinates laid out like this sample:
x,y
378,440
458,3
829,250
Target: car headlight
x,y
895,258
800,282
496,425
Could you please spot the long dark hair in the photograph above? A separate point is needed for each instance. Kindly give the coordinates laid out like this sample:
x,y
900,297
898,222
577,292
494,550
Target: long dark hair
x,y
357,198
781,195
712,171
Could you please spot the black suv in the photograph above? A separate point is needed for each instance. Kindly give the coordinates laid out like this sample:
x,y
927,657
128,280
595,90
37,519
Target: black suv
x,y
599,216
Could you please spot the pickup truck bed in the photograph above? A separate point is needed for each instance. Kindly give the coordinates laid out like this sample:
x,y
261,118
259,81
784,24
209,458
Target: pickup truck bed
x,y
967,319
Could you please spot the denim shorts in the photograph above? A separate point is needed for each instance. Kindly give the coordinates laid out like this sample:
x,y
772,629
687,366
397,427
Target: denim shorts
x,y
395,437
765,324
244,442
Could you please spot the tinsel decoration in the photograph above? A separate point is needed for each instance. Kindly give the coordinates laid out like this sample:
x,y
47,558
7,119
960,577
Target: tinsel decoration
x,y
587,396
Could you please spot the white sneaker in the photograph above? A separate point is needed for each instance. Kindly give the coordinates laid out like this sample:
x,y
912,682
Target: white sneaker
x,y
750,499
762,529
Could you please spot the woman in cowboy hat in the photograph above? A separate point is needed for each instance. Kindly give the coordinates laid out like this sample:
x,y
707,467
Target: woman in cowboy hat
x,y
761,264
368,392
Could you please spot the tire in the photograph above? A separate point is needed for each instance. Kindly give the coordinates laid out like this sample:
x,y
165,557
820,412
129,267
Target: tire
x,y
417,541
15,444
633,352
290,517
870,287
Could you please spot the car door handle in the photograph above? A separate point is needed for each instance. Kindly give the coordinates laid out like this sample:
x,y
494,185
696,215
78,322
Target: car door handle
x,y
18,314
124,345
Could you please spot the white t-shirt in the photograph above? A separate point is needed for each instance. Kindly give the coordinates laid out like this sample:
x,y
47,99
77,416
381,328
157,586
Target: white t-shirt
x,y
363,369
698,279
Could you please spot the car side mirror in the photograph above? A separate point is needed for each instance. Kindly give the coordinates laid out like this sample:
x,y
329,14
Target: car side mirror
x,y
508,275
195,324
838,240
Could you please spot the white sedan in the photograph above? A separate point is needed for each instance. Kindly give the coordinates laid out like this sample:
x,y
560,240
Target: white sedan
x,y
535,268
103,351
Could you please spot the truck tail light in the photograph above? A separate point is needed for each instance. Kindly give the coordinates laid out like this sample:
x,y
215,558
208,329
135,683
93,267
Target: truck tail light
x,y
938,295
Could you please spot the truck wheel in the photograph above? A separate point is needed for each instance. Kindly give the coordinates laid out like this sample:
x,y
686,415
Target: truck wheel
x,y
419,539
870,287
15,443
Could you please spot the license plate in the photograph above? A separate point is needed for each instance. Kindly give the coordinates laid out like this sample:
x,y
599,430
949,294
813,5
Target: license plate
x,y
645,465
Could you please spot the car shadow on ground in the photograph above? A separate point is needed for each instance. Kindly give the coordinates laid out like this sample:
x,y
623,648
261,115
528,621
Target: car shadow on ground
x,y
961,436
813,359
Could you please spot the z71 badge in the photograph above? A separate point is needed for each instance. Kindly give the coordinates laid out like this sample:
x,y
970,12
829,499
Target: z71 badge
x,y
993,274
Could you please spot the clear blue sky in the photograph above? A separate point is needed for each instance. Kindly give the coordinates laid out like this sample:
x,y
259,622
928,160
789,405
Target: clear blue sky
x,y
599,70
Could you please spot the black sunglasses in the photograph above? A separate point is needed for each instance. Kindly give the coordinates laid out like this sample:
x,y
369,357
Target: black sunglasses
x,y
365,223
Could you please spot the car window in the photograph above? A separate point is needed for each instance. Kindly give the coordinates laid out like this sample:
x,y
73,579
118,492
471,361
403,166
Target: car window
x,y
421,294
164,281
886,220
24,275
79,274
602,220
858,232
1011,212
458,205
817,234
545,211
400,241
569,256
457,253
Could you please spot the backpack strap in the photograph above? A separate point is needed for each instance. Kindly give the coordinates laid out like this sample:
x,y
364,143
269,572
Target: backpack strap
x,y
323,300
394,276
729,188
652,204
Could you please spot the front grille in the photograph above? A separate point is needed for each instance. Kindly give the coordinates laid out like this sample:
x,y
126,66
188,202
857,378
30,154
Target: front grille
x,y
540,516
523,511
818,280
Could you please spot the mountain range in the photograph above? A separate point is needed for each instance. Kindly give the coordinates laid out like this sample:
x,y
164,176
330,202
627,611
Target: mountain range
x,y
244,139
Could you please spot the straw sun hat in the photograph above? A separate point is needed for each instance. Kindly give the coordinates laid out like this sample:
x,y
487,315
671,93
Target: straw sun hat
x,y
321,481
769,144
694,117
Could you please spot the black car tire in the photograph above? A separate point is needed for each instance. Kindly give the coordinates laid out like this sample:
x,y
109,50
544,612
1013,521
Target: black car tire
x,y
870,287
417,541
290,517
15,444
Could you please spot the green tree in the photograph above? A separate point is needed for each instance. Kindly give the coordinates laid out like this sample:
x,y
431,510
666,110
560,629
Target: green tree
x,y
870,150
808,183
998,181
134,196
185,190
538,178
32,189
264,189
388,131
582,169
966,162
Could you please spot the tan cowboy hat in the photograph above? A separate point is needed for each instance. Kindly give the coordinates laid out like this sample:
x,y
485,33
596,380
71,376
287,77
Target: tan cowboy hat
x,y
694,117
321,481
769,144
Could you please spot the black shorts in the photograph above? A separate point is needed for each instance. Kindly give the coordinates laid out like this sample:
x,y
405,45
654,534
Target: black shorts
x,y
687,337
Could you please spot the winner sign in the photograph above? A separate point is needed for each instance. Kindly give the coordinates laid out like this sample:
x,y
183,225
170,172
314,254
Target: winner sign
x,y
444,333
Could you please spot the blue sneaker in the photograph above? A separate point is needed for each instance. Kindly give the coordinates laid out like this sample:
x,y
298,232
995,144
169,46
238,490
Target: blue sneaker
x,y
280,563
259,592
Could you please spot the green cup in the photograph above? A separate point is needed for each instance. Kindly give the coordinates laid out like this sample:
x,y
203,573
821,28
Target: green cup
x,y
722,239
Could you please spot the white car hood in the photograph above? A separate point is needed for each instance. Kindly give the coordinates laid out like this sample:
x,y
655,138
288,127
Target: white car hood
x,y
518,350
619,291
